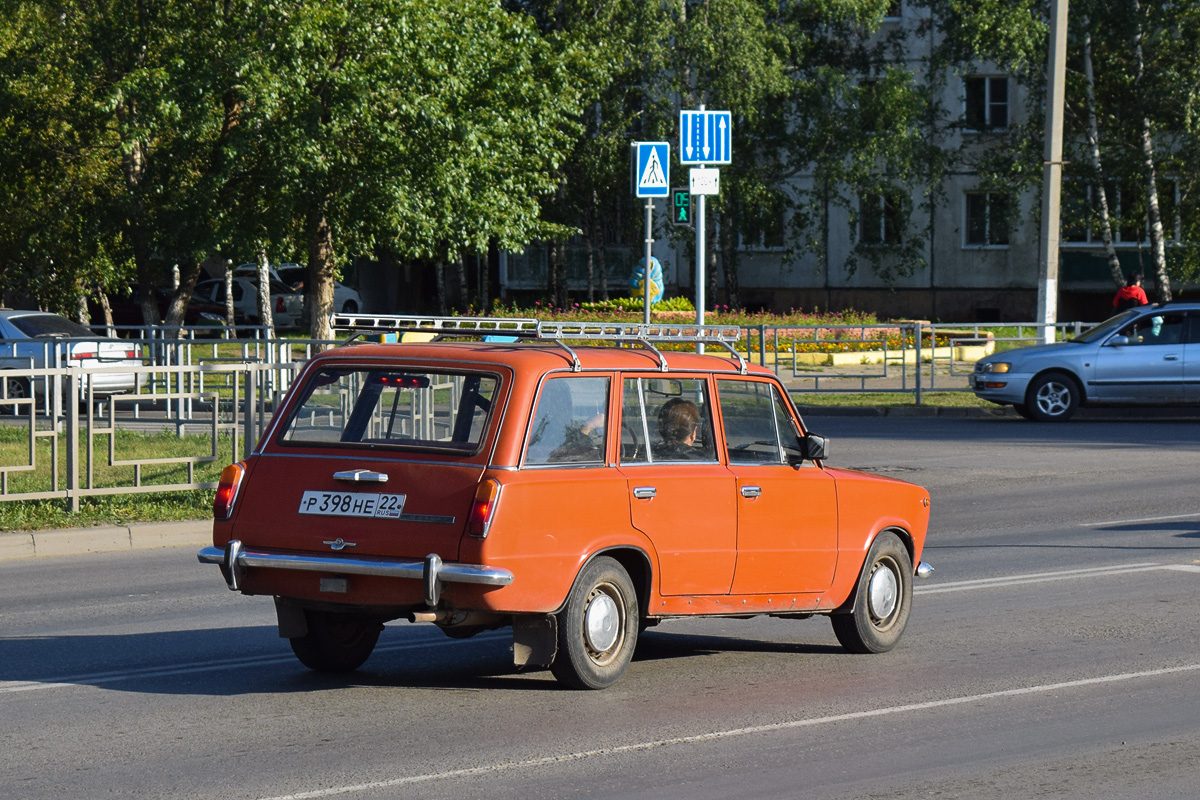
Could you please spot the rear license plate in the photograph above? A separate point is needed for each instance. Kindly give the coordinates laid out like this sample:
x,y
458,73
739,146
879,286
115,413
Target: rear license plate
x,y
352,504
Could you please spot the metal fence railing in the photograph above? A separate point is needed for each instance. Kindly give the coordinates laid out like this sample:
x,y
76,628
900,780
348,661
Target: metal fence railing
x,y
63,437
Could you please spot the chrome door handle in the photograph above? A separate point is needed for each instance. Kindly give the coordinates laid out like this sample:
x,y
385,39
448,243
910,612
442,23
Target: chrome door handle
x,y
751,491
360,476
644,492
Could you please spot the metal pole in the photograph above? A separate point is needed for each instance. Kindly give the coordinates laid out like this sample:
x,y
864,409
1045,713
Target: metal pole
x,y
1047,311
700,265
646,268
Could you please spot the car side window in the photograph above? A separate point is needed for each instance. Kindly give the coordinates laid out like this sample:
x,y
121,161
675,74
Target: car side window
x,y
570,422
666,419
758,427
1155,329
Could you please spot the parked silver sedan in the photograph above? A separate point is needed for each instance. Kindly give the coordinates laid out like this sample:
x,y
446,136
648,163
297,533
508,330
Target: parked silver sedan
x,y
1144,356
30,339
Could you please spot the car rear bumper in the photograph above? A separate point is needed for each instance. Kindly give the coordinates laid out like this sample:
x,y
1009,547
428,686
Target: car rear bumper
x,y
234,559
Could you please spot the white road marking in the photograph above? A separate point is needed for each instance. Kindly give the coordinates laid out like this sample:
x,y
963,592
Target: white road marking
x,y
100,678
1137,521
731,733
1037,577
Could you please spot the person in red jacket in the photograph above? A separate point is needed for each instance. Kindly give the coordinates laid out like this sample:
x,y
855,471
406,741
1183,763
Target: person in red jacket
x,y
1131,294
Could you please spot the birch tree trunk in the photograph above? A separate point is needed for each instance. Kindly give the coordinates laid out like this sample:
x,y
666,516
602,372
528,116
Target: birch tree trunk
x,y
265,317
1157,243
1114,264
230,321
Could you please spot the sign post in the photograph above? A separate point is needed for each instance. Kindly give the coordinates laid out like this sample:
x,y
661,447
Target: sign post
x,y
651,171
705,138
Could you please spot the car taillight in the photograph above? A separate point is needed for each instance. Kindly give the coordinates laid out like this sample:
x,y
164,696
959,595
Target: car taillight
x,y
483,508
227,490
279,304
135,352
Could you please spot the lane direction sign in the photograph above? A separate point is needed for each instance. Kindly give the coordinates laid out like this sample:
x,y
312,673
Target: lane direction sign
x,y
705,137
652,171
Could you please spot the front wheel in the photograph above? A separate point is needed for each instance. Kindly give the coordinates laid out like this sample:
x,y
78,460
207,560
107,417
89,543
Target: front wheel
x,y
598,628
882,600
18,389
336,643
1053,397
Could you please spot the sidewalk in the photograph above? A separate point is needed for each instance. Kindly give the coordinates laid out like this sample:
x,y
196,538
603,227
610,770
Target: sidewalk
x,y
107,539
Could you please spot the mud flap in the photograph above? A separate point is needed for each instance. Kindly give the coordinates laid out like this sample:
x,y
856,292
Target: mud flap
x,y
535,640
292,622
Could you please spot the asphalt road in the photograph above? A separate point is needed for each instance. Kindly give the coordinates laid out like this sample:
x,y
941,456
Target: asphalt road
x,y
1054,653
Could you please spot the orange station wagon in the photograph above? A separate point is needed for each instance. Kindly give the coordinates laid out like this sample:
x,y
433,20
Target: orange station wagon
x,y
577,482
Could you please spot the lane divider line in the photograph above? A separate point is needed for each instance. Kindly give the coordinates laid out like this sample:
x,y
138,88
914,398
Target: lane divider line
x,y
534,763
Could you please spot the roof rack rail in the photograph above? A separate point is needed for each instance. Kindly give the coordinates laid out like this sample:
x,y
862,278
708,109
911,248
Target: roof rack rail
x,y
555,331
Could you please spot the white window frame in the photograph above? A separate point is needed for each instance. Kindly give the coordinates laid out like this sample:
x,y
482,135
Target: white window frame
x,y
883,241
987,222
988,103
1172,229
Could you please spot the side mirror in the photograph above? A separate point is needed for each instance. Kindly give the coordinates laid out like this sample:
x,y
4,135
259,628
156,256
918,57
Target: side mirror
x,y
1117,341
814,447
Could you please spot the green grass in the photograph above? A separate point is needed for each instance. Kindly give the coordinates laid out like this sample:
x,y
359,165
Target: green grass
x,y
113,509
890,399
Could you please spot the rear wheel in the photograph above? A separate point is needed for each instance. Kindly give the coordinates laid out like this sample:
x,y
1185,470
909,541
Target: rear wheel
x,y
598,628
882,600
349,307
1053,397
18,389
336,643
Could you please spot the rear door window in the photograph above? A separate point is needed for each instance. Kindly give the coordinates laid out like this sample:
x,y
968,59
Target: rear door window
x,y
570,422
665,419
393,407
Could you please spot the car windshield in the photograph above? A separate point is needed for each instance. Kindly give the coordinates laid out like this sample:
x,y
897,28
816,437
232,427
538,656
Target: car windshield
x,y
377,406
1105,328
38,326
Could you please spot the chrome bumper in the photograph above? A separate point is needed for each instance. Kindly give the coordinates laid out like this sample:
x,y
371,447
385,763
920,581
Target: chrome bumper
x,y
924,570
234,559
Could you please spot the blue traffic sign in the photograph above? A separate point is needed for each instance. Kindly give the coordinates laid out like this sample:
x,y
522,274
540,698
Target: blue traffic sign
x,y
652,170
705,137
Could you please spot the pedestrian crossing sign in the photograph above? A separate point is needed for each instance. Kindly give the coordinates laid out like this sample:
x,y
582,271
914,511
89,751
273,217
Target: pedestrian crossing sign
x,y
652,169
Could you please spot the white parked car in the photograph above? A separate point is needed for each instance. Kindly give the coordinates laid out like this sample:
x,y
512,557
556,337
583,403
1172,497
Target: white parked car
x,y
345,299
287,306
29,339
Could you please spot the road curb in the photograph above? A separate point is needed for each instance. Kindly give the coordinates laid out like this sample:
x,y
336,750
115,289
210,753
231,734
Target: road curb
x,y
106,539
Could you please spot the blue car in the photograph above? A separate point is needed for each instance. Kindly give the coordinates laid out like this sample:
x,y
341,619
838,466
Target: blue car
x,y
1144,356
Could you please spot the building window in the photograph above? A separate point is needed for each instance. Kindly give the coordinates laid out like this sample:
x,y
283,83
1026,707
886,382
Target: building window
x,y
986,103
761,225
893,12
986,223
880,218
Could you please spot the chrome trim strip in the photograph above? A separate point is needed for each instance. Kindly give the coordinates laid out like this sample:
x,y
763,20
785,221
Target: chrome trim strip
x,y
361,565
360,475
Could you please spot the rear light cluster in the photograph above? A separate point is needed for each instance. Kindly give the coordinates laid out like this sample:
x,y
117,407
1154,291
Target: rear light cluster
x,y
227,490
279,304
483,508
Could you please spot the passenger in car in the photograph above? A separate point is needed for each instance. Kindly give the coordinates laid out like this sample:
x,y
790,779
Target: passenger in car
x,y
678,425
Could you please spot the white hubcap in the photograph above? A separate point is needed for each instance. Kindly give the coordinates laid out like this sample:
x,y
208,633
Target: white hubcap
x,y
882,593
602,622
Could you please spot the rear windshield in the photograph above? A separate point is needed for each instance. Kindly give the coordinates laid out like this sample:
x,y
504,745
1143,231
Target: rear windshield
x,y
39,325
375,407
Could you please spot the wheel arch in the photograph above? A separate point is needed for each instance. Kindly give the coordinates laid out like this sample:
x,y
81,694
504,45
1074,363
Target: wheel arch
x,y
905,538
634,560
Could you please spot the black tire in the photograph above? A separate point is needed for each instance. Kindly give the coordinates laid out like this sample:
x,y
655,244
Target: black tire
x,y
18,389
1053,397
598,628
349,307
1023,411
882,600
336,643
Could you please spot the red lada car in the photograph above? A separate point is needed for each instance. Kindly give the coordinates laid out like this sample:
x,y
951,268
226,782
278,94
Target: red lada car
x,y
576,482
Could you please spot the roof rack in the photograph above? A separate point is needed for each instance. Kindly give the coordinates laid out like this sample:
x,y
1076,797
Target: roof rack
x,y
555,331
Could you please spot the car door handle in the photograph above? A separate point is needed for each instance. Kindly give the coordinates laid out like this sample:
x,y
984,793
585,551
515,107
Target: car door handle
x,y
1171,357
644,492
360,476
751,491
